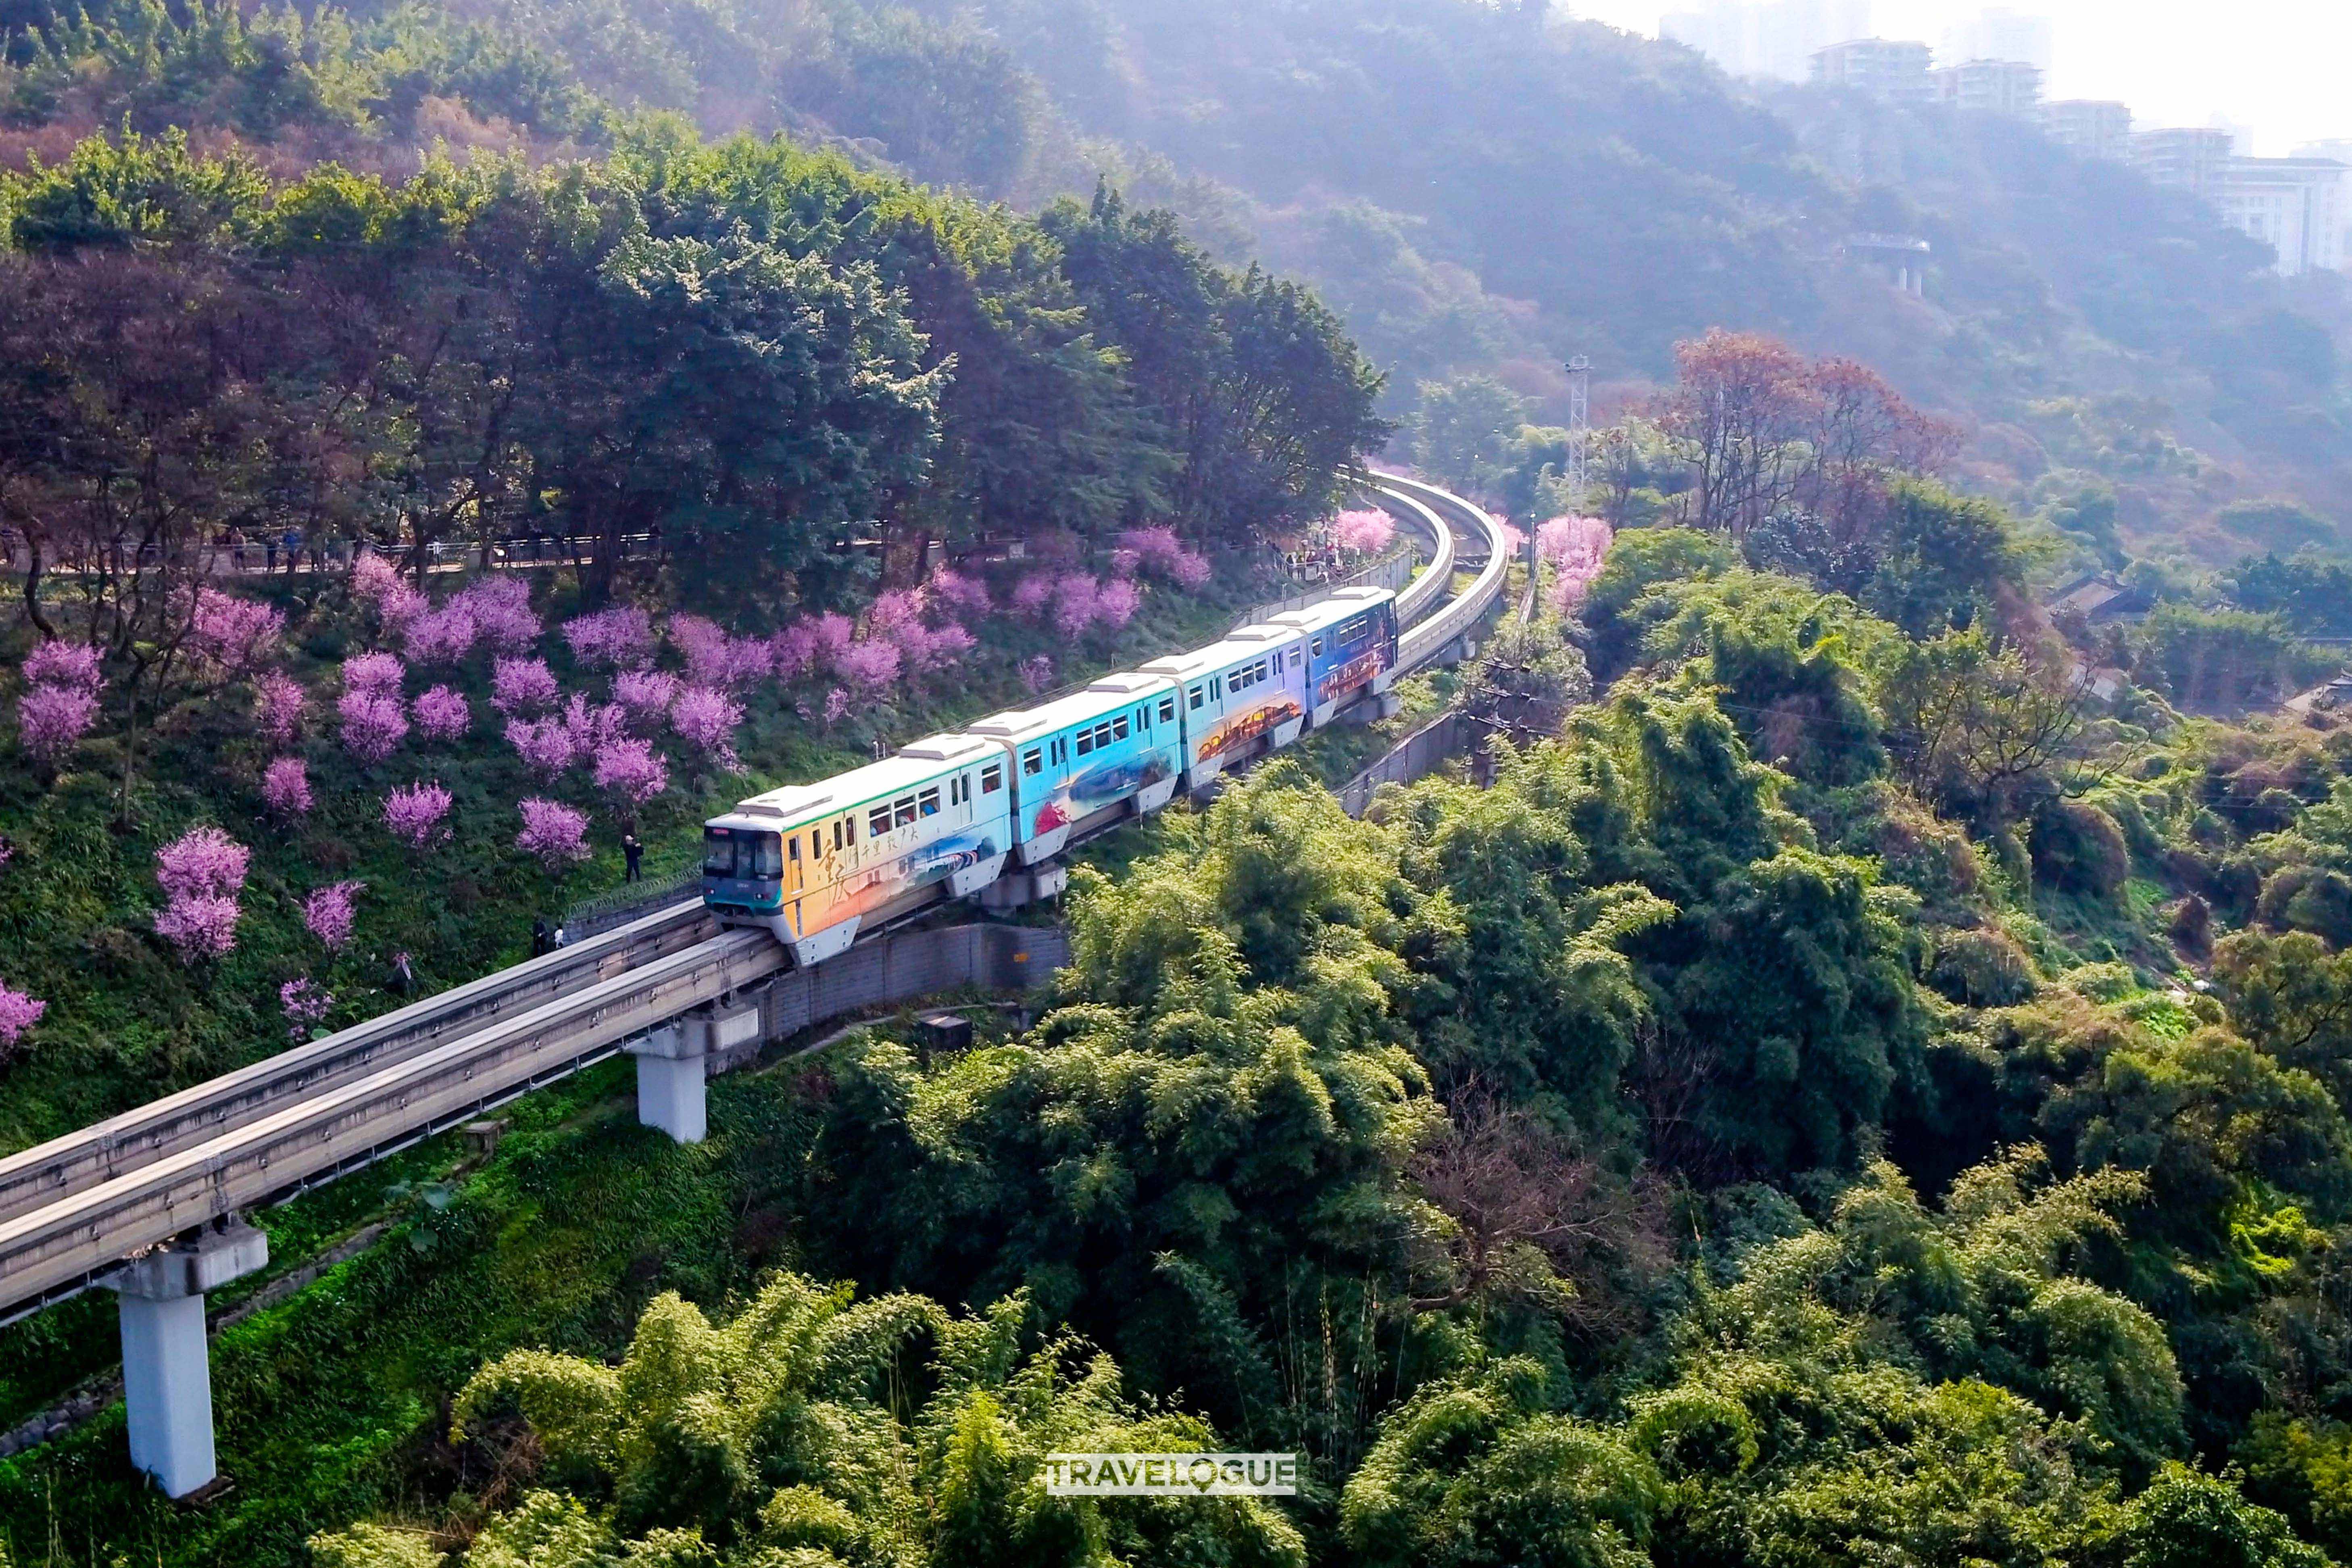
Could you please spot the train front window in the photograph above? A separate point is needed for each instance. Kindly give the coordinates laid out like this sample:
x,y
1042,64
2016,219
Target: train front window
x,y
719,852
765,852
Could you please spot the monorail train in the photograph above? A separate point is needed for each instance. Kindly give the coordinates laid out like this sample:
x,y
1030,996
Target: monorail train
x,y
815,863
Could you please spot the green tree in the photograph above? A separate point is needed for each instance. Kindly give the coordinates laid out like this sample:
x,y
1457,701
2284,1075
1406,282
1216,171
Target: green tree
x,y
1464,430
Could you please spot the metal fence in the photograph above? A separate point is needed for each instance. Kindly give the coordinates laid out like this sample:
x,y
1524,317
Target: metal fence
x,y
1418,755
618,906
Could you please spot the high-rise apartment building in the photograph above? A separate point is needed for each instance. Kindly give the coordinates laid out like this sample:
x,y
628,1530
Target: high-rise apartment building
x,y
2187,157
1999,33
1999,87
2090,127
1890,68
1774,39
2295,206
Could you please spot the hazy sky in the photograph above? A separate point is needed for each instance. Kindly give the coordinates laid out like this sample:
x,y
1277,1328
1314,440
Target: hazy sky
x,y
2282,67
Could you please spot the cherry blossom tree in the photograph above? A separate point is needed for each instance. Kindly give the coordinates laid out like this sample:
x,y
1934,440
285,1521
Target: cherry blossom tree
x,y
544,745
415,813
869,665
521,685
444,635
621,638
201,873
1077,600
305,1005
1158,551
1034,596
233,633
328,913
67,664
441,714
52,720
502,614
375,581
716,660
381,673
706,721
809,645
647,694
286,786
961,594
18,1013
627,769
592,724
277,703
1575,548
1117,602
1365,531
373,724
556,834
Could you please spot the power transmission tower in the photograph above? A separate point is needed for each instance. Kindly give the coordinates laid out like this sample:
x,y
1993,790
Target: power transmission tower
x,y
1580,423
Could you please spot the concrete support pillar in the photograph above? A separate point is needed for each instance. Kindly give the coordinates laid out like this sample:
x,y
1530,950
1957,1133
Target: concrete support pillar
x,y
167,1381
671,1089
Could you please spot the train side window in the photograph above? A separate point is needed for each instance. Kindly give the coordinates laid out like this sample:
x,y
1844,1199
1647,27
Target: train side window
x,y
1118,728
851,836
816,843
877,821
836,838
1032,761
1086,742
905,810
793,849
928,803
1216,688
1061,750
1298,657
1196,700
1317,646
992,778
1167,709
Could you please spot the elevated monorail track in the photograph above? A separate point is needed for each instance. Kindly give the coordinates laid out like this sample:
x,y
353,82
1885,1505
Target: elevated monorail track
x,y
71,1210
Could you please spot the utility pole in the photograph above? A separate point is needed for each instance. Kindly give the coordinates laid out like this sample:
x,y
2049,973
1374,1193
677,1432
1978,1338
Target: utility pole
x,y
1580,423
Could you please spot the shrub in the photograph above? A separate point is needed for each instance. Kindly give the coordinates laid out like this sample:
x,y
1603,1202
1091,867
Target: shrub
x,y
2080,849
1982,968
414,813
286,786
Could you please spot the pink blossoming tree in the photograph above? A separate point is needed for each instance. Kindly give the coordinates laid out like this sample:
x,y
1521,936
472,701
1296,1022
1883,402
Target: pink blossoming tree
x,y
621,638
232,634
544,745
500,607
415,813
285,787
521,685
201,873
1159,552
444,635
441,714
18,1013
716,660
380,673
277,702
627,769
376,583
73,664
373,725
556,834
870,666
1365,531
52,720
646,694
328,913
706,721
961,595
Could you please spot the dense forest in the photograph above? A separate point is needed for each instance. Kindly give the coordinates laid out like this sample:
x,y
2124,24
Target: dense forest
x,y
1856,1072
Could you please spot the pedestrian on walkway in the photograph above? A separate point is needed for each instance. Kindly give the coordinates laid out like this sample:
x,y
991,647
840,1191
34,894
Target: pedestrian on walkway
x,y
542,940
403,979
633,852
560,939
270,548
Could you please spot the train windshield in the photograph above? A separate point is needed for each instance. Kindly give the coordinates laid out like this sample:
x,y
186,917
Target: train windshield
x,y
742,856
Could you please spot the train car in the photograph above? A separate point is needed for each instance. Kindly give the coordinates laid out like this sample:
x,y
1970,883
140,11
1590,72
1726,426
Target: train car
x,y
1236,695
815,863
1117,746
1352,648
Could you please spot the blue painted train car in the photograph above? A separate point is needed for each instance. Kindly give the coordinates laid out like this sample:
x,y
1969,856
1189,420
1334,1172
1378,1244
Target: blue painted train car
x,y
1238,696
1352,648
1118,744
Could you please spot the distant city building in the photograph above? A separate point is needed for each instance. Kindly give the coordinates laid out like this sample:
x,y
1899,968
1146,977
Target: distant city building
x,y
2339,150
2090,127
1998,87
1999,33
2187,157
1773,38
1890,68
2295,206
